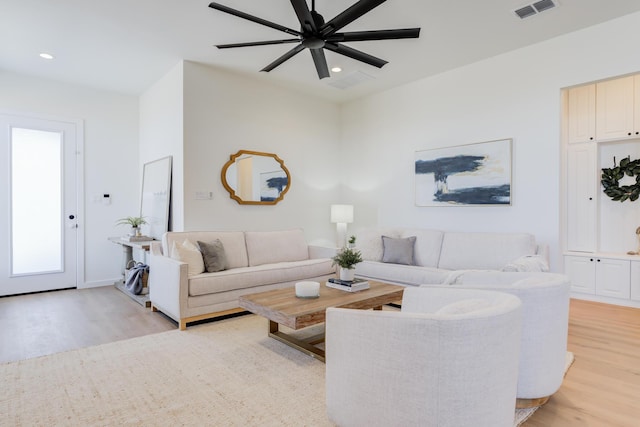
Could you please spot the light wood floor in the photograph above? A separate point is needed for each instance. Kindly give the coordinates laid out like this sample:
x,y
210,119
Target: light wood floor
x,y
50,322
602,388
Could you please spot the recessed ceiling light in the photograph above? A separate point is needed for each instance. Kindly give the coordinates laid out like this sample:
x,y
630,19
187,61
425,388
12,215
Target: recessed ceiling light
x,y
336,69
46,55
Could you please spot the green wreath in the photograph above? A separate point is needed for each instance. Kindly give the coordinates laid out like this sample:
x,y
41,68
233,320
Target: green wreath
x,y
611,180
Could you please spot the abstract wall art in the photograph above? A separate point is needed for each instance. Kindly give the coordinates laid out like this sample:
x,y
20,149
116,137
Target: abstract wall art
x,y
464,175
272,184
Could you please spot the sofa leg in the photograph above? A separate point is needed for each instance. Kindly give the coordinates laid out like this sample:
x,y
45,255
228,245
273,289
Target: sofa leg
x,y
182,324
531,403
154,308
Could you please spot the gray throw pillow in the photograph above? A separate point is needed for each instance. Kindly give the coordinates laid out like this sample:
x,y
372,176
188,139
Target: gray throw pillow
x,y
213,255
398,251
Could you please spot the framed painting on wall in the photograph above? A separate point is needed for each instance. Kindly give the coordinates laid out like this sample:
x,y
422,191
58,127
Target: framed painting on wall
x,y
464,175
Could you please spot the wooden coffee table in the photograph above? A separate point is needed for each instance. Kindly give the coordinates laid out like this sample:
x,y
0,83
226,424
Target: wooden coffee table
x,y
282,307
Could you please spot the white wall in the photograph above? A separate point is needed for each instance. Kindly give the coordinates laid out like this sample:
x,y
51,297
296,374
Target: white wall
x,y
161,134
224,113
515,95
359,153
110,158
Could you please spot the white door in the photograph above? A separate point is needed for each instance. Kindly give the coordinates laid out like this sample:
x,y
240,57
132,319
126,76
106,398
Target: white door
x,y
39,223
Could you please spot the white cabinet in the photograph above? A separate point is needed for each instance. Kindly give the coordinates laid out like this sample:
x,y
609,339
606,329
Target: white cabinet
x,y
615,109
582,272
598,275
601,122
635,280
582,189
582,113
613,277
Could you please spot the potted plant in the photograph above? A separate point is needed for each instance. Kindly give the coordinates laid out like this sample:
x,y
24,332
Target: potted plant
x,y
346,259
134,221
352,241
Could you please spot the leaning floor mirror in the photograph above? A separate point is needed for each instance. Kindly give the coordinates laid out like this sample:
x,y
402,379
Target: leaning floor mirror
x,y
156,197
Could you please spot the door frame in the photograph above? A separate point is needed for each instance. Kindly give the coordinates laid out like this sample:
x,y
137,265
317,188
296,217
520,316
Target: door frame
x,y
79,187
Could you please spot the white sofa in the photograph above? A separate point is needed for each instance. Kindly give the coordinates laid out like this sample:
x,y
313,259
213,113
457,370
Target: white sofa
x,y
256,261
448,359
438,256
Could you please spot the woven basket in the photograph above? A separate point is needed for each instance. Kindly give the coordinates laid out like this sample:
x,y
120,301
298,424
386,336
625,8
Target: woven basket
x,y
127,273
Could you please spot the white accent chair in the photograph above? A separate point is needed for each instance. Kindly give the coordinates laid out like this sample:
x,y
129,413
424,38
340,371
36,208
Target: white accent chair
x,y
545,324
448,359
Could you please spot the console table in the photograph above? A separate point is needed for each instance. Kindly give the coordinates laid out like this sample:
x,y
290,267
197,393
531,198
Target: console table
x,y
128,247
127,255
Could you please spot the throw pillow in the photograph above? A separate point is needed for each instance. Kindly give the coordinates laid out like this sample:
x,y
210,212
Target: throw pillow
x,y
215,259
398,251
189,253
527,263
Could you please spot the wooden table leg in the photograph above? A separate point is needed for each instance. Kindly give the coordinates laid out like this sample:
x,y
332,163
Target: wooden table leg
x,y
305,346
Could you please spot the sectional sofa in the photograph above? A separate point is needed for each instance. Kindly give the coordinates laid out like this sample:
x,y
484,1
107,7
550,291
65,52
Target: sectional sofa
x,y
254,261
413,256
243,262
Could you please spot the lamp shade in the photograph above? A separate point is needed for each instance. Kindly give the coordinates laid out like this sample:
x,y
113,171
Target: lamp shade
x,y
342,213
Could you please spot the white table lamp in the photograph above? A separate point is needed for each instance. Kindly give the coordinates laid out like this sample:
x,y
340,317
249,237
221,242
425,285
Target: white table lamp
x,y
342,215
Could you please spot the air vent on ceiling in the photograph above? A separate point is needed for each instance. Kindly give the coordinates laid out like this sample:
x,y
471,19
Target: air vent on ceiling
x,y
350,80
535,8
525,12
543,5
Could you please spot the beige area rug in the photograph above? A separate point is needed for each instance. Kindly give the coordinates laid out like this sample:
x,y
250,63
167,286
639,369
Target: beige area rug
x,y
227,373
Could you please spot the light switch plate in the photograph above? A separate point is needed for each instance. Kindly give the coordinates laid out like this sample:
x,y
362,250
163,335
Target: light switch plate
x,y
204,195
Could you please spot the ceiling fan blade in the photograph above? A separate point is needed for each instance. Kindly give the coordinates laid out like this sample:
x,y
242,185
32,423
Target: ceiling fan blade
x,y
358,36
264,43
349,15
321,62
355,54
290,54
252,18
304,15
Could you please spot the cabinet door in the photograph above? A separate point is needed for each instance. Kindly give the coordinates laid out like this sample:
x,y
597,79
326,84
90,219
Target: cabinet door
x,y
614,109
582,272
635,280
613,277
581,197
636,105
582,113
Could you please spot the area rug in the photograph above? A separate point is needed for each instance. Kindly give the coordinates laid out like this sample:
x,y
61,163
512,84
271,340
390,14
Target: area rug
x,y
224,373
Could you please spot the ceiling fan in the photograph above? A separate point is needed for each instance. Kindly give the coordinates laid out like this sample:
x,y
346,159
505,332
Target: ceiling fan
x,y
316,35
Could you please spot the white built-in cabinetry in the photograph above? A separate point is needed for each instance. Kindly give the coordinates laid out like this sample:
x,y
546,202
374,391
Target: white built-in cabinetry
x,y
601,120
599,275
582,192
635,280
581,121
617,108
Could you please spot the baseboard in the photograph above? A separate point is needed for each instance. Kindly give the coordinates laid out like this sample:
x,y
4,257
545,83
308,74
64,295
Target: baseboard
x,y
100,283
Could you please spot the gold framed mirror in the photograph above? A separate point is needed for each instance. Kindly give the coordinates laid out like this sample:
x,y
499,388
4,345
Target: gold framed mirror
x,y
255,178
